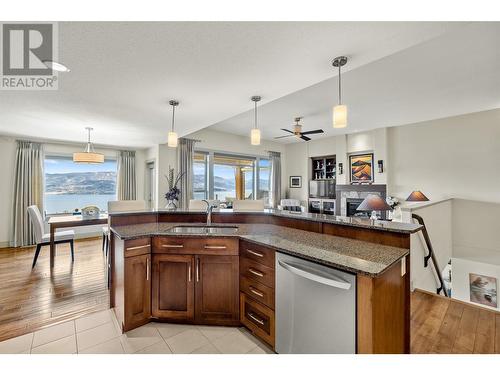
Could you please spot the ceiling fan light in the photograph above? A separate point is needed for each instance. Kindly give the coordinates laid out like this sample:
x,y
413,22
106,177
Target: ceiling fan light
x,y
340,116
255,137
172,139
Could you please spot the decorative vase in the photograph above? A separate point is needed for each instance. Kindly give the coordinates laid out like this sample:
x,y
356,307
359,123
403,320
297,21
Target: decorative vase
x,y
171,205
397,214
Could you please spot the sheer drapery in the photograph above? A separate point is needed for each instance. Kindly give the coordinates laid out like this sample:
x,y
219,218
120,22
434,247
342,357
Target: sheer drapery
x,y
127,182
185,153
275,179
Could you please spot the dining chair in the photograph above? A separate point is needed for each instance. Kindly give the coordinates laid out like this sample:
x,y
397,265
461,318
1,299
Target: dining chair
x,y
248,205
119,206
42,238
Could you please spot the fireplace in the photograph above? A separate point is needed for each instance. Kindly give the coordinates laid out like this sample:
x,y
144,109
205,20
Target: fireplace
x,y
351,208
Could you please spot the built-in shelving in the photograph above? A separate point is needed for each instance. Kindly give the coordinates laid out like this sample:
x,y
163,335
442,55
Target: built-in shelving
x,y
324,168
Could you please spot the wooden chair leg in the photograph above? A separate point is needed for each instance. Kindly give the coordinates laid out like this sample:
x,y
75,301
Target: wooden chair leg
x,y
103,242
71,244
107,245
37,252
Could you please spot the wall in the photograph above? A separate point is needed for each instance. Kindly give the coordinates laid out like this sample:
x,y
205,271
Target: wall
x,y
298,157
451,157
7,157
460,278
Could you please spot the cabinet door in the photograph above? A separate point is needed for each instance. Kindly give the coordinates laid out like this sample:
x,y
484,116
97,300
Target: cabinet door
x,y
173,286
217,289
137,291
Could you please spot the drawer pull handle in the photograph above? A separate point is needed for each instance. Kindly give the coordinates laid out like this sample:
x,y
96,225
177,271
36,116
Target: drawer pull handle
x,y
256,292
255,272
137,247
255,253
254,318
173,246
215,247
189,273
147,269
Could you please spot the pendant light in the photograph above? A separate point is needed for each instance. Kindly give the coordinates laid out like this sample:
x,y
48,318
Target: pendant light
x,y
340,110
89,156
172,135
255,132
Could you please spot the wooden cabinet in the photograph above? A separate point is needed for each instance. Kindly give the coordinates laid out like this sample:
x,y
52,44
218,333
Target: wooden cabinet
x,y
137,291
216,290
257,264
173,286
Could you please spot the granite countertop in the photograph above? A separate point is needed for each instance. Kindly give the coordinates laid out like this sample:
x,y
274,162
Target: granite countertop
x,y
382,225
354,256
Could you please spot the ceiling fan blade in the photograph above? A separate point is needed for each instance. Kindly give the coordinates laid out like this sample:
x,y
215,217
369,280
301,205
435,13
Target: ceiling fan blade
x,y
318,131
305,138
284,136
289,131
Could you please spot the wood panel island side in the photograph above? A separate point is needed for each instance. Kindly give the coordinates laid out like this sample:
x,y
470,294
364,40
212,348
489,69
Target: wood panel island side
x,y
158,274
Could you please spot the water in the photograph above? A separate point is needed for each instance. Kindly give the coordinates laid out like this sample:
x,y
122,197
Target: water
x,y
67,203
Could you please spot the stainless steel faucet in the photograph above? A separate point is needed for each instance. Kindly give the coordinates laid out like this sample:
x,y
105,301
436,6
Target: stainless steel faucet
x,y
209,212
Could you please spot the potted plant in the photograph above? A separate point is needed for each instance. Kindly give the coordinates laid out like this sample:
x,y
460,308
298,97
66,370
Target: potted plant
x,y
173,192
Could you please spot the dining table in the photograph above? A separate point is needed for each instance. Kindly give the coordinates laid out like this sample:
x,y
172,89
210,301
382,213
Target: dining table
x,y
70,221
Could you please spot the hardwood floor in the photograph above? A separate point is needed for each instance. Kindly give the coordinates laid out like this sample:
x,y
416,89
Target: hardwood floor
x,y
441,325
31,299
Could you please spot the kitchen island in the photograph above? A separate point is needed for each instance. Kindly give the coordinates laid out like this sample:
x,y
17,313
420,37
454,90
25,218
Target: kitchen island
x,y
168,266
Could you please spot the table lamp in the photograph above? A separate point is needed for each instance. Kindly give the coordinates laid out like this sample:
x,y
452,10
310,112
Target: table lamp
x,y
373,203
417,196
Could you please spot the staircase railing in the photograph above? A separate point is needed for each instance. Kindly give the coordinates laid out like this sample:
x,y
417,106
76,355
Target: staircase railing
x,y
431,255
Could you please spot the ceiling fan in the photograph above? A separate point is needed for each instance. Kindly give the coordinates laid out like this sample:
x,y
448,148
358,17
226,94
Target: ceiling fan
x,y
297,131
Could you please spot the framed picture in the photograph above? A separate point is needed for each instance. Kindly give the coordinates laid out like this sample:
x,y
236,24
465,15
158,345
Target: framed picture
x,y
483,289
361,167
295,181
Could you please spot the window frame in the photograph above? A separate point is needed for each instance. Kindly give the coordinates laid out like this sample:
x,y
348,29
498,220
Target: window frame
x,y
66,156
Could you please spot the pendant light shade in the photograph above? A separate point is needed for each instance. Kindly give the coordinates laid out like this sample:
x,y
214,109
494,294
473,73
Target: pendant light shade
x,y
255,137
340,110
88,156
172,138
255,132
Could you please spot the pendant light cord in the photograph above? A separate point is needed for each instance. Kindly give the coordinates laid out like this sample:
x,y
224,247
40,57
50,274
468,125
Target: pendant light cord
x,y
173,117
340,87
255,113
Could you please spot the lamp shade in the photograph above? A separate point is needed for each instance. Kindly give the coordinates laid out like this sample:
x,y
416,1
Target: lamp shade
x,y
373,203
172,139
417,196
88,157
339,116
255,137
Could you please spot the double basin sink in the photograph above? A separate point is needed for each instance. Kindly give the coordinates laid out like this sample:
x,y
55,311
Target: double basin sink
x,y
203,229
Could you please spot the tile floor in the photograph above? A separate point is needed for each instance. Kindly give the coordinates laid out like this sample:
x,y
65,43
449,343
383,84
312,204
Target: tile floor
x,y
99,333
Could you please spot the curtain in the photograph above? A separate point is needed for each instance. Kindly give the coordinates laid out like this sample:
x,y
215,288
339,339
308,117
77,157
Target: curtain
x,y
28,190
127,184
185,153
275,183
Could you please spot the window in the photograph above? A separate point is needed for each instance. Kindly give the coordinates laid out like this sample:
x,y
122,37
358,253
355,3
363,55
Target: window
x,y
227,177
70,186
200,176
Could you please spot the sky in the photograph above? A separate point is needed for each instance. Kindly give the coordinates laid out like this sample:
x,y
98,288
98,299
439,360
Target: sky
x,y
59,165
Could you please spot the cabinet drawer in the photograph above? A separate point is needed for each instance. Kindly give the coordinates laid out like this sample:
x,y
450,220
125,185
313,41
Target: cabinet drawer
x,y
258,318
259,254
256,271
139,246
194,245
258,291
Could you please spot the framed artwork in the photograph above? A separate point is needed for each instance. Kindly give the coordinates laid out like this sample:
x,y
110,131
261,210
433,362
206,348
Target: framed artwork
x,y
483,289
295,181
361,167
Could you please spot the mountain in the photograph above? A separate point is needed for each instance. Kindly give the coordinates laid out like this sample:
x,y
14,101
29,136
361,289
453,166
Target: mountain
x,y
223,184
81,183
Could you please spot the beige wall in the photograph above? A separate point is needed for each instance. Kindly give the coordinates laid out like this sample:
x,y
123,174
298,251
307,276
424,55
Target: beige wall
x,y
453,157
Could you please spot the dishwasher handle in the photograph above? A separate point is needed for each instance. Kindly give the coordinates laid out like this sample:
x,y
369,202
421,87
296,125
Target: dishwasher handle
x,y
305,272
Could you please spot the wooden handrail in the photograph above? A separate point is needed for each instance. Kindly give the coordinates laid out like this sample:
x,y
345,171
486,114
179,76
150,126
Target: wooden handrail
x,y
431,254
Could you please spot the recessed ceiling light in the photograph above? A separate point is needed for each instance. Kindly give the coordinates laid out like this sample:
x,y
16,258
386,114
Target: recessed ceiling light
x,y
56,66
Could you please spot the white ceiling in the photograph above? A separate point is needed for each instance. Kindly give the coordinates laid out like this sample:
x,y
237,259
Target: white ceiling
x,y
456,73
123,74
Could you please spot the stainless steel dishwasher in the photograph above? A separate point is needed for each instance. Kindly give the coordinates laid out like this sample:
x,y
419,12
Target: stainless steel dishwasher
x,y
315,308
